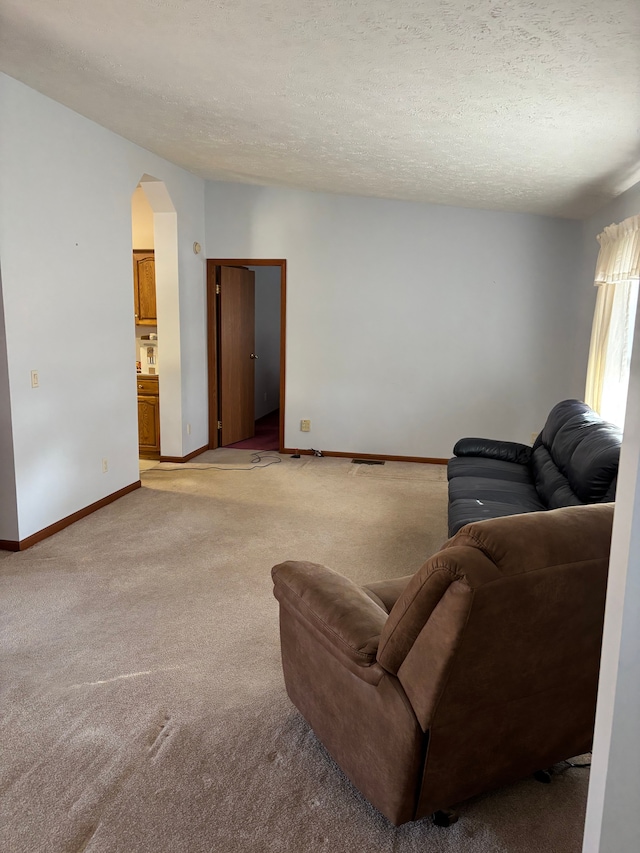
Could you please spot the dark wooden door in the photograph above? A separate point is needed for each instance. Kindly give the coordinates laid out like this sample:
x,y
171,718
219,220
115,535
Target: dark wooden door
x,y
236,342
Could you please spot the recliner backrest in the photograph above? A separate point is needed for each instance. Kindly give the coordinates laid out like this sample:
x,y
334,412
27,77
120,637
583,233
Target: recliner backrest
x,y
500,596
504,673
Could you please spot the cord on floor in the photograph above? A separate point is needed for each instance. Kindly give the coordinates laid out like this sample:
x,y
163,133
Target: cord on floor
x,y
256,458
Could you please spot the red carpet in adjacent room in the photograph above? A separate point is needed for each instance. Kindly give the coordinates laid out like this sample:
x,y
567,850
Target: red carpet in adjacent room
x,y
266,437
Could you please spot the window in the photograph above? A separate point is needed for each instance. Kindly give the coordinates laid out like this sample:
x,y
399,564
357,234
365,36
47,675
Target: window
x,y
617,275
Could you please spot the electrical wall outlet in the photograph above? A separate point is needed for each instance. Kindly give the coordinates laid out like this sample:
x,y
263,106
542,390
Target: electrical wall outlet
x,y
35,382
105,465
305,426
534,435
188,429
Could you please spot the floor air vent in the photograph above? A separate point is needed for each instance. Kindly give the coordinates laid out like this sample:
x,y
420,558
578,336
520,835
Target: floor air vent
x,y
368,461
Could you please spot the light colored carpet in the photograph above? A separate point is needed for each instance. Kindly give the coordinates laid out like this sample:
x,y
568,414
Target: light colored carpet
x,y
143,704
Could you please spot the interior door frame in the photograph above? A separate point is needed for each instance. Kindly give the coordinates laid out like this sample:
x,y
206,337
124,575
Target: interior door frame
x,y
212,337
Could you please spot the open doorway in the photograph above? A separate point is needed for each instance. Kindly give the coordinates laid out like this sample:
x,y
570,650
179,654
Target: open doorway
x,y
146,323
157,319
246,310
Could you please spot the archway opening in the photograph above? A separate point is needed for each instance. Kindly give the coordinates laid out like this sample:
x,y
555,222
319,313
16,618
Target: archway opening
x,y
154,230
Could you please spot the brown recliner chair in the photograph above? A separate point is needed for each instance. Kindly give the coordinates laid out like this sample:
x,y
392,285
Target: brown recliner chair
x,y
476,671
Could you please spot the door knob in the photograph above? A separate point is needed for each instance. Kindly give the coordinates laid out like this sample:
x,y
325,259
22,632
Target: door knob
x,y
253,355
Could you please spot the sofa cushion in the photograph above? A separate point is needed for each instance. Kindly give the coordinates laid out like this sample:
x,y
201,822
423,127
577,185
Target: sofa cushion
x,y
611,491
551,484
593,450
466,510
475,498
579,462
477,466
558,416
483,490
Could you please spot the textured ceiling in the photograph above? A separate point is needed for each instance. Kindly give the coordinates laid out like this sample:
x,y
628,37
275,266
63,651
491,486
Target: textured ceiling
x,y
521,105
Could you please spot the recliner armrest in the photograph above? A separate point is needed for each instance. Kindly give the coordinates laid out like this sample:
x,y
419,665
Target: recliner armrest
x,y
489,448
335,606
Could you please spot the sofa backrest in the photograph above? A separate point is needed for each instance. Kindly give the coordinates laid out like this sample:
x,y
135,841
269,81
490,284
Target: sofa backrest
x,y
575,457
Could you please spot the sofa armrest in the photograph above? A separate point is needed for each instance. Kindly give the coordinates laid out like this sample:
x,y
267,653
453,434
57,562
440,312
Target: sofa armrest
x,y
489,448
335,606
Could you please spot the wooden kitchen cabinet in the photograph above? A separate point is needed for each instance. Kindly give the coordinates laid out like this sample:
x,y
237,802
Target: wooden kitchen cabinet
x,y
144,288
148,417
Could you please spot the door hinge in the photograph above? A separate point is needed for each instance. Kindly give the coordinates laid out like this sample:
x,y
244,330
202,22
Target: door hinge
x,y
219,424
217,288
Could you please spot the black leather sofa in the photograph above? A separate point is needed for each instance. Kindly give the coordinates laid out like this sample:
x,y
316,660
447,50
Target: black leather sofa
x,y
573,461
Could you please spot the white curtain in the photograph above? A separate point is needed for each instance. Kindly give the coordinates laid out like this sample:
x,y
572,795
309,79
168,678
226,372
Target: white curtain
x,y
617,274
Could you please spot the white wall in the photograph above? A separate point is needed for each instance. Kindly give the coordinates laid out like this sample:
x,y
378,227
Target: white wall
x,y
141,220
614,792
66,242
267,390
8,507
410,325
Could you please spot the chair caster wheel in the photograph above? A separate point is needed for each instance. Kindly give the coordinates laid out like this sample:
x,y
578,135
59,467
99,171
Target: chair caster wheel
x,y
542,776
445,817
